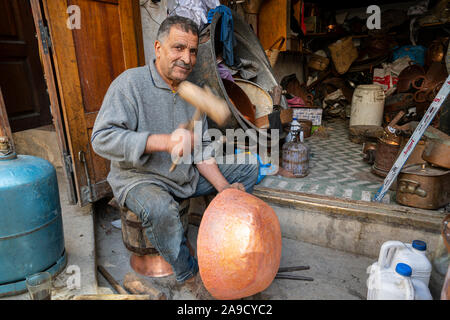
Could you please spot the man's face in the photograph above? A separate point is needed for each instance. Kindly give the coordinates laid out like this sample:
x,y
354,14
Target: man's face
x,y
176,54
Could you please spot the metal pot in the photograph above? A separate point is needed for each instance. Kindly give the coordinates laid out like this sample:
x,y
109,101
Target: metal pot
x,y
435,52
240,100
406,77
369,151
423,186
437,152
385,156
416,155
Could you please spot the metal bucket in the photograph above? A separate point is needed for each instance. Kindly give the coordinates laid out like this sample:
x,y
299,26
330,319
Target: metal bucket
x,y
247,47
385,157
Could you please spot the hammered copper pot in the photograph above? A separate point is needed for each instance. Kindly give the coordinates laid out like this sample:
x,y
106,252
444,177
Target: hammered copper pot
x,y
238,245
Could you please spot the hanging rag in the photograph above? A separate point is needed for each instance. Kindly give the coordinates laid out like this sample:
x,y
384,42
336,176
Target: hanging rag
x,y
248,69
224,72
302,23
195,10
226,32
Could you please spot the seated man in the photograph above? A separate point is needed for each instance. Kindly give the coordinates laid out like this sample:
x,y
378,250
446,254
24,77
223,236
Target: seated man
x,y
139,126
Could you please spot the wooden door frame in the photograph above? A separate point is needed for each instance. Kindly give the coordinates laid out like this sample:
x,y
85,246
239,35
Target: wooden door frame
x,y
68,84
55,107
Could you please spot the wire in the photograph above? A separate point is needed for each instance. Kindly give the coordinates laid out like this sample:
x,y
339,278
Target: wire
x,y
144,5
178,4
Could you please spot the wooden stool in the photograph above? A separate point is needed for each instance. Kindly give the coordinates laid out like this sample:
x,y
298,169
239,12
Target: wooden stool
x,y
145,259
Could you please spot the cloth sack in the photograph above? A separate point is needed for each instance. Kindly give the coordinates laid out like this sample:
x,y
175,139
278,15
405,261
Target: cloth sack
x,y
343,54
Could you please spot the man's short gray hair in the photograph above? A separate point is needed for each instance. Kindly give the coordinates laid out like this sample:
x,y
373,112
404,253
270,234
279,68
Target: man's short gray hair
x,y
185,24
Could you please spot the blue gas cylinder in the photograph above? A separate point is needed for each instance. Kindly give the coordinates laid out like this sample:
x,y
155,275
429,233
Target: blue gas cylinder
x,y
31,229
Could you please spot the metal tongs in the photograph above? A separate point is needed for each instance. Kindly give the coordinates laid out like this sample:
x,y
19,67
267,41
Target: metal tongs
x,y
280,274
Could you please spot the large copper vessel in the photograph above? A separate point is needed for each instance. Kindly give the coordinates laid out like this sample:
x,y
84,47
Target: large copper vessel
x,y
238,245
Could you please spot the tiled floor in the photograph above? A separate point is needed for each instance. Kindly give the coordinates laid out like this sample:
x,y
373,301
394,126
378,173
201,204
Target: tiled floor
x,y
336,169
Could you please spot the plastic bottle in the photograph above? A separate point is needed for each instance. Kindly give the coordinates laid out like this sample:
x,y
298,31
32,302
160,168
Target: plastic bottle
x,y
393,252
388,285
421,291
295,156
295,126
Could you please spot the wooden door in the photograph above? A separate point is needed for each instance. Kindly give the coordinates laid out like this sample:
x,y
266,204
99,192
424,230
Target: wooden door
x,y
87,60
274,21
21,75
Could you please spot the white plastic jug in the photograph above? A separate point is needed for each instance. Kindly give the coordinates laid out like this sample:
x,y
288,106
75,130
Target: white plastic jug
x,y
421,291
394,252
367,106
384,284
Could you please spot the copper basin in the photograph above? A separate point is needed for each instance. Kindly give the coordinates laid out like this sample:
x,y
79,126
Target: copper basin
x,y
153,265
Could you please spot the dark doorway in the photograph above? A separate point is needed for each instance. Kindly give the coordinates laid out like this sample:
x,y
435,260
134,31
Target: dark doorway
x,y
21,76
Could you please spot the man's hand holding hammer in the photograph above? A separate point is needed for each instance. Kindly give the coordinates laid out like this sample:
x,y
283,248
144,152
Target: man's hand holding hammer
x,y
174,143
183,139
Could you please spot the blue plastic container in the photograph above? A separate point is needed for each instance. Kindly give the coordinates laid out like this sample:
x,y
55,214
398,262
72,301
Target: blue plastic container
x,y
264,169
416,53
31,229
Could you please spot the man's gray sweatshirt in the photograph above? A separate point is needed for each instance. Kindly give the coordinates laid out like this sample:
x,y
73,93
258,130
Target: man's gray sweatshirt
x,y
137,104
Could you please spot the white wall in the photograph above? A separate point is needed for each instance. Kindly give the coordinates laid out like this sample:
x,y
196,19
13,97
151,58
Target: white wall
x,y
152,15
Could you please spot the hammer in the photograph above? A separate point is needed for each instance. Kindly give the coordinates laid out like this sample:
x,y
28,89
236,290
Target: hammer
x,y
205,101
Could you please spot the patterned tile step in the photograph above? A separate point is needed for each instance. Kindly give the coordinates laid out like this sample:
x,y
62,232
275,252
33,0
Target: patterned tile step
x,y
336,169
338,191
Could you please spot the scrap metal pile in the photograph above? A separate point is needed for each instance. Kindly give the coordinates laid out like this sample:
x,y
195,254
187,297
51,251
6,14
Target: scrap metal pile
x,y
383,82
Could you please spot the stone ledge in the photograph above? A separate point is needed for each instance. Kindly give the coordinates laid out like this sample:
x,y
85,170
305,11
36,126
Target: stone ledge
x,y
390,214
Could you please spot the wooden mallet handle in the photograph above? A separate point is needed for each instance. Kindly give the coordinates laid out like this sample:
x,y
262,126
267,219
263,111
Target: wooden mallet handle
x,y
197,116
205,101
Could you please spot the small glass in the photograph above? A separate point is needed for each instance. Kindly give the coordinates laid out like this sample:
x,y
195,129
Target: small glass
x,y
39,286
